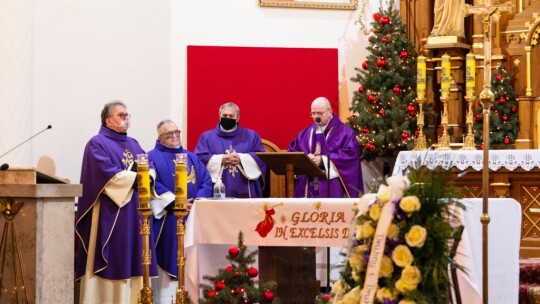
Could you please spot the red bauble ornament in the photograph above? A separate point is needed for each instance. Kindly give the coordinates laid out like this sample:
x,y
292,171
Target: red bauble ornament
x,y
384,40
384,20
502,100
496,112
376,16
404,55
405,136
396,90
365,130
219,285
492,107
411,110
229,268
480,104
326,297
252,272
498,77
268,295
211,294
372,98
234,251
506,140
370,39
382,112
381,63
481,147
365,65
370,147
514,109
478,117
417,132
361,89
505,118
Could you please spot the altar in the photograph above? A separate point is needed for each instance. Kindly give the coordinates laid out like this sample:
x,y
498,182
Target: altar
x,y
213,227
513,173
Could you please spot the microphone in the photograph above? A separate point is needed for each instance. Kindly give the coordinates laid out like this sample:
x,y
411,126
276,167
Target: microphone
x,y
318,120
6,166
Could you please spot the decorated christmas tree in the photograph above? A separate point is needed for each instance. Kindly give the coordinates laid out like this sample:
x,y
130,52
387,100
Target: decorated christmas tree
x,y
384,105
236,283
504,118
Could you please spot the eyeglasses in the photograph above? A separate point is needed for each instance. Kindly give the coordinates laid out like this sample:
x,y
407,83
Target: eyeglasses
x,y
171,135
314,114
123,115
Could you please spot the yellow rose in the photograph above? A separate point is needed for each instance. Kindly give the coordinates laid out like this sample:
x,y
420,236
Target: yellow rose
x,y
385,195
404,287
356,277
338,287
359,232
375,211
411,275
360,249
387,267
357,261
416,236
407,302
383,293
409,204
393,232
402,256
353,296
368,229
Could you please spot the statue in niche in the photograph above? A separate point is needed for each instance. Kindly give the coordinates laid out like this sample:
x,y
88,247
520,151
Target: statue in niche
x,y
448,18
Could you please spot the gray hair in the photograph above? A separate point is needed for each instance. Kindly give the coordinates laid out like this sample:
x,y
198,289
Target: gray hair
x,y
107,110
230,105
163,122
322,100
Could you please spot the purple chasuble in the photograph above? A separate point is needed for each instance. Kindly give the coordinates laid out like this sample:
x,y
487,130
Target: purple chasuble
x,y
240,140
199,185
118,253
340,144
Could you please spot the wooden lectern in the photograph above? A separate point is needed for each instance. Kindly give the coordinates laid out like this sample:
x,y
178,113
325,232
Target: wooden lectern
x,y
293,268
37,214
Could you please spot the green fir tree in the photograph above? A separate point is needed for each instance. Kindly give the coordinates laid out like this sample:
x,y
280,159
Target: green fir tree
x,y
236,283
504,118
384,105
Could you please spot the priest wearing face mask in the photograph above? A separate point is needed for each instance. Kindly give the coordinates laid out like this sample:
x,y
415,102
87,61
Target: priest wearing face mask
x,y
228,151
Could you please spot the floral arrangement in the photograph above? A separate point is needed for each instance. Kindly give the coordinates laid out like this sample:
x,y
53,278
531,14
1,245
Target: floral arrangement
x,y
403,243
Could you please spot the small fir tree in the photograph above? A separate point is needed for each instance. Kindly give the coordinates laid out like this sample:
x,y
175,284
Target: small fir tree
x,y
504,118
384,104
236,283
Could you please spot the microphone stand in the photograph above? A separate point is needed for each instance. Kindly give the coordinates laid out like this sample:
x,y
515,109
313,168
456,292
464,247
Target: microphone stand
x,y
327,195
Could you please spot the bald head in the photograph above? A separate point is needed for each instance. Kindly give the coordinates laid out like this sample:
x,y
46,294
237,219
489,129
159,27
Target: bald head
x,y
321,111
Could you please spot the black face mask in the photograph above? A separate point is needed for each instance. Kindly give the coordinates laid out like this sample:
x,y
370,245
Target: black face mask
x,y
227,123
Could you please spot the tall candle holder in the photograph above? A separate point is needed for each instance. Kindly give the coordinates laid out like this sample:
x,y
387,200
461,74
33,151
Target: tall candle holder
x,y
444,143
421,143
180,210
146,295
468,141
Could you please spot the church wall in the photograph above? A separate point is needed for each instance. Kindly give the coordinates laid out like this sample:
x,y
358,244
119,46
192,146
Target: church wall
x,y
89,52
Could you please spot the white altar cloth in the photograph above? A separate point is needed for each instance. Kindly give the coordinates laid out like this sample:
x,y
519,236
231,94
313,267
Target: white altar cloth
x,y
465,159
213,227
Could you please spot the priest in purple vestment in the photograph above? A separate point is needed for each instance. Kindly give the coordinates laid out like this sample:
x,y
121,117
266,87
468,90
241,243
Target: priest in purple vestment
x,y
228,151
332,146
199,185
109,244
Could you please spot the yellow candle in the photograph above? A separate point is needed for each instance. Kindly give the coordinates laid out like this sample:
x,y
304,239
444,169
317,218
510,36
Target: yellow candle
x,y
421,77
470,75
445,76
181,181
143,180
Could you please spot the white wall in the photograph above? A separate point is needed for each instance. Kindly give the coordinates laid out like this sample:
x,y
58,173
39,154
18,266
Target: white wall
x,y
88,52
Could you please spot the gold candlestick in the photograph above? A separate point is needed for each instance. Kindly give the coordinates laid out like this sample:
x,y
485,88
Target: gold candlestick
x,y
180,210
143,178
445,138
468,141
421,143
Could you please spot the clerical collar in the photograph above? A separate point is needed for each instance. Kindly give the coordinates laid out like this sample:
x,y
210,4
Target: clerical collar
x,y
112,133
161,147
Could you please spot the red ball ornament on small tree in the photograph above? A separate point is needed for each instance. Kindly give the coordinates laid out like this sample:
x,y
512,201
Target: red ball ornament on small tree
x,y
219,285
211,293
376,16
381,63
384,20
416,132
502,100
372,98
268,295
370,147
382,112
365,65
361,89
229,268
498,77
514,109
252,272
234,251
370,39
506,140
405,136
396,90
478,117
404,55
384,40
505,117
365,130
327,297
